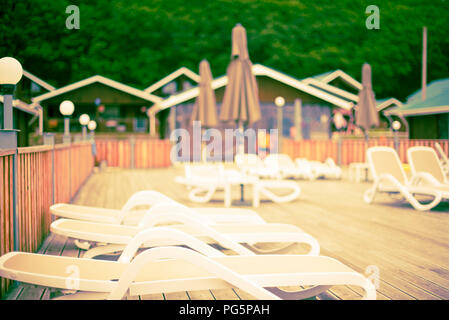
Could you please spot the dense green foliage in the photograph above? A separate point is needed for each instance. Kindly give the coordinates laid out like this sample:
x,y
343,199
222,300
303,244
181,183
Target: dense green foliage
x,y
140,41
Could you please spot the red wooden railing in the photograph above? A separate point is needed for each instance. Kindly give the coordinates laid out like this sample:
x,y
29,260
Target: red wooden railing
x,y
70,165
347,151
134,153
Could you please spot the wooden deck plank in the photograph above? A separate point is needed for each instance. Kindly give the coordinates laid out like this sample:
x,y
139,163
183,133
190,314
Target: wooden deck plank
x,y
177,296
201,295
225,294
158,296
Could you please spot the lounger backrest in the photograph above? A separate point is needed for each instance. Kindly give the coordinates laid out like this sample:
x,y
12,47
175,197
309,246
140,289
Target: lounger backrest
x,y
441,152
385,160
330,162
192,171
425,159
279,160
247,159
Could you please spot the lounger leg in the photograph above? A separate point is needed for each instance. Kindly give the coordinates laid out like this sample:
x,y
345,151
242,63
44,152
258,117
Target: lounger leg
x,y
296,191
298,295
82,245
195,258
256,195
193,194
227,195
102,250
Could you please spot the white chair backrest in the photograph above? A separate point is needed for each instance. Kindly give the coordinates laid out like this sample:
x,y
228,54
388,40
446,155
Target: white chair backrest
x,y
385,160
425,159
204,170
248,159
442,153
279,160
330,162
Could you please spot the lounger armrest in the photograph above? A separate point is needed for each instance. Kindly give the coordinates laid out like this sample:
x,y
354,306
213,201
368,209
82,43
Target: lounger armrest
x,y
426,177
160,213
145,198
407,192
153,235
389,178
195,224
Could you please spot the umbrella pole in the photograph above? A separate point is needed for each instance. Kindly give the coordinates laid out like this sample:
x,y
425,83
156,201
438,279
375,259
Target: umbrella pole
x,y
365,131
240,150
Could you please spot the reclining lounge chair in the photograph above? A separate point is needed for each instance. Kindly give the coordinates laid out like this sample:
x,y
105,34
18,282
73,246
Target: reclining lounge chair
x,y
175,269
389,177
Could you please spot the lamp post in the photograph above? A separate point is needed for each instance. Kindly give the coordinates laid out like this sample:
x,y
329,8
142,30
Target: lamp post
x,y
279,102
84,121
10,74
92,125
396,125
324,119
152,121
66,108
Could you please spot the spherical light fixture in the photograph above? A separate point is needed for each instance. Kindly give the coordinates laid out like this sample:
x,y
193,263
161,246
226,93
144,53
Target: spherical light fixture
x,y
66,108
396,125
324,118
10,71
92,125
279,101
84,119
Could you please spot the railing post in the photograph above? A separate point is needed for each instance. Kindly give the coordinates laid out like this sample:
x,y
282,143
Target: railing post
x,y
70,171
8,140
339,143
132,144
49,139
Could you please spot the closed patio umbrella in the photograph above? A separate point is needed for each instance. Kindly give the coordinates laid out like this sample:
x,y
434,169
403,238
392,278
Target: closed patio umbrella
x,y
366,110
205,109
241,98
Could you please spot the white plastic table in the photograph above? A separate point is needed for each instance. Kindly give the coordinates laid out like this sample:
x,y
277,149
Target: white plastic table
x,y
359,171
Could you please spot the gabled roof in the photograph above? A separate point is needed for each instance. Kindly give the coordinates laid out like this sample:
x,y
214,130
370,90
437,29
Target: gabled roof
x,y
437,100
175,74
25,107
259,70
384,104
39,81
332,89
103,80
332,75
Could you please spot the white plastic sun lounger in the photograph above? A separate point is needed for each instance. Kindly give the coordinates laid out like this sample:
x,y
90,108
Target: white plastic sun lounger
x,y
230,236
251,164
389,177
444,158
424,161
175,269
287,168
327,170
204,188
148,198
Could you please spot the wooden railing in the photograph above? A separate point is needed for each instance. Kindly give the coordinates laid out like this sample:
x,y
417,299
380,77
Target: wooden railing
x,y
134,152
44,176
346,151
154,153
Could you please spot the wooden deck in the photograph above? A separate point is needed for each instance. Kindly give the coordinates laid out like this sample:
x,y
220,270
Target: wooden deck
x,y
410,248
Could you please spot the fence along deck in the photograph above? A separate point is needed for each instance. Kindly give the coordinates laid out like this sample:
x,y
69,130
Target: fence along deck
x,y
347,151
44,175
